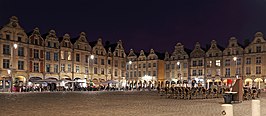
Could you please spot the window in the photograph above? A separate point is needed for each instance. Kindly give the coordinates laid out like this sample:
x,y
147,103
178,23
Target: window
x,y
238,61
167,66
95,70
184,65
200,72
7,36
86,70
20,51
139,73
154,64
55,45
47,56
144,73
139,65
228,53
77,69
56,68
68,55
116,63
258,70
194,63
173,66
130,74
47,67
123,73
258,60
109,71
154,73
249,50
102,61
36,53
200,63
36,67
248,71
6,63
209,72
77,57
69,67
102,71
248,60
19,39
227,71
227,62
55,56
95,60
86,58
20,65
238,71
122,64
218,72
36,41
194,72
209,63
62,55
218,63
109,62
149,65
135,73
115,72
62,67
149,73
258,49
6,49
49,44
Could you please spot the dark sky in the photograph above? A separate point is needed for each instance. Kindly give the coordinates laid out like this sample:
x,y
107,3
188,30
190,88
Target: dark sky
x,y
143,24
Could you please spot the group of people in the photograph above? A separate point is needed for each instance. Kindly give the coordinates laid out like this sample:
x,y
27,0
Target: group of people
x,y
204,93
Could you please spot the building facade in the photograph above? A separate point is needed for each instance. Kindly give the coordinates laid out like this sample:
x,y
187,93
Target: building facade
x,y
34,58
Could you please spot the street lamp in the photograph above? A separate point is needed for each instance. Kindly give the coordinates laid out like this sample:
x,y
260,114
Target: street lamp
x,y
15,46
235,59
127,70
178,64
91,57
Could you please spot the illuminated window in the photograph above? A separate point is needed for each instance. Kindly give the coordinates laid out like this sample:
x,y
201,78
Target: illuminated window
x,y
218,63
62,55
68,55
77,69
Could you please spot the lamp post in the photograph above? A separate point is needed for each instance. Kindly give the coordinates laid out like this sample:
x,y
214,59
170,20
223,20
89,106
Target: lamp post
x,y
91,57
178,64
9,72
128,66
235,59
15,46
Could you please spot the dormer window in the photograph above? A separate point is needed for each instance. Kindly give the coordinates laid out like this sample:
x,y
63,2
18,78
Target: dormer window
x,y
258,41
7,36
49,44
19,39
258,49
36,41
233,45
249,50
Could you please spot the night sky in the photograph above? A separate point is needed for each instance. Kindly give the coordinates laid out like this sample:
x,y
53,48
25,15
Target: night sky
x,y
143,24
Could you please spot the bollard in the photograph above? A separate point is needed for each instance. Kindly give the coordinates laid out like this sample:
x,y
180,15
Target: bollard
x,y
227,110
255,107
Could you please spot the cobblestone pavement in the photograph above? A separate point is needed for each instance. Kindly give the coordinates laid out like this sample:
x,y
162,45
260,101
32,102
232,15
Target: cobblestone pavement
x,y
114,104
